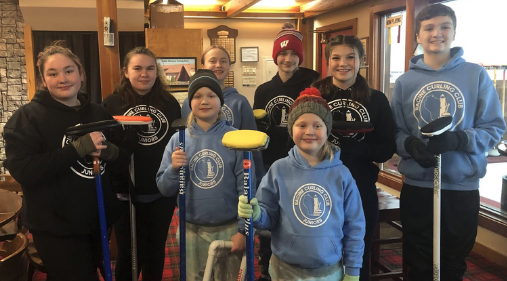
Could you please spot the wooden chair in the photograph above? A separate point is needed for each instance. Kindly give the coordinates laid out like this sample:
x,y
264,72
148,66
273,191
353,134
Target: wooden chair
x,y
10,205
389,212
35,260
7,182
14,264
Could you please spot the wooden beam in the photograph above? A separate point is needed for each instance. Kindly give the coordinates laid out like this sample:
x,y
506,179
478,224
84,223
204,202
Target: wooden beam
x,y
253,15
413,8
305,26
204,14
30,62
287,15
318,7
109,57
235,7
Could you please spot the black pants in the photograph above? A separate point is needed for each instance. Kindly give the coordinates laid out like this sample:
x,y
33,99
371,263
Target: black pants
x,y
369,199
69,257
152,221
264,253
459,217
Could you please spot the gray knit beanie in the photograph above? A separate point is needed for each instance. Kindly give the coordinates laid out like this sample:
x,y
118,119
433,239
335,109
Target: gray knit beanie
x,y
310,101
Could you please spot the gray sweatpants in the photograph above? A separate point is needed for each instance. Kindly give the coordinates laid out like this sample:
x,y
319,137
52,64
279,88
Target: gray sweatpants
x,y
199,238
282,271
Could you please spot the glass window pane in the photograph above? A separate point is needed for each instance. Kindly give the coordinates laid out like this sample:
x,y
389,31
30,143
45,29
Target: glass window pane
x,y
488,51
393,66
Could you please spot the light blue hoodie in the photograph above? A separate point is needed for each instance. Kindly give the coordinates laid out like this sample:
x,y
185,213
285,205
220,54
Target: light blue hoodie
x,y
214,175
314,213
236,109
239,113
458,89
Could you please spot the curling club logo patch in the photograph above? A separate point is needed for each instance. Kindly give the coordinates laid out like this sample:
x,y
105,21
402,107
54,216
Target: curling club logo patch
x,y
278,110
206,169
347,110
439,99
154,132
84,166
312,205
229,115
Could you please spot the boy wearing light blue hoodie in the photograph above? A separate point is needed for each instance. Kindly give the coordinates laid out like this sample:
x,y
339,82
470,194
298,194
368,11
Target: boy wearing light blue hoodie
x,y
214,181
310,202
440,83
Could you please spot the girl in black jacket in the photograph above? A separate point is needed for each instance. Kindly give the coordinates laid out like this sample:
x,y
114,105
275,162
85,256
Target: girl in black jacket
x,y
351,99
55,170
141,92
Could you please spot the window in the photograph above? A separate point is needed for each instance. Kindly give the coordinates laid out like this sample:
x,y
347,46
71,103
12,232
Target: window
x,y
393,66
485,44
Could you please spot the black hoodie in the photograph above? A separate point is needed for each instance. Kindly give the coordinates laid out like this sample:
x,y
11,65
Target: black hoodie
x,y
361,151
58,186
276,98
147,143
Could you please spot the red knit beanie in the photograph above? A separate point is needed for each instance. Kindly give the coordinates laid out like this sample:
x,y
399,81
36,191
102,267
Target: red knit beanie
x,y
288,39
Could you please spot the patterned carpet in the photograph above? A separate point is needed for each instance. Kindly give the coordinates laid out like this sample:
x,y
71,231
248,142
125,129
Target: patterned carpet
x,y
479,268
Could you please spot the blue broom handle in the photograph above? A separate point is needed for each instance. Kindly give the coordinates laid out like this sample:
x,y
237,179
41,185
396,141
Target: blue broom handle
x,y
102,219
181,208
247,156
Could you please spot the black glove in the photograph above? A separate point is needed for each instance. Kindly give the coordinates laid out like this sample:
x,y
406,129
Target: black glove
x,y
110,153
262,123
448,141
421,154
84,145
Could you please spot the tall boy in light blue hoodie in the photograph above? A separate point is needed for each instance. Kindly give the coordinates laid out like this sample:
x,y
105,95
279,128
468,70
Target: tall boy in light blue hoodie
x,y
310,202
214,181
440,83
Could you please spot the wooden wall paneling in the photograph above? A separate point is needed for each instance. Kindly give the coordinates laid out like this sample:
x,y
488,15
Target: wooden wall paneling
x,y
304,27
109,57
166,42
30,62
413,8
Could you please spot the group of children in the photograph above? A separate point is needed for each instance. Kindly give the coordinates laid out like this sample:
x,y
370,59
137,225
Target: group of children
x,y
318,198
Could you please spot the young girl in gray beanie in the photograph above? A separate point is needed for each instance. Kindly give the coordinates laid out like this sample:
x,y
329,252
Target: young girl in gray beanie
x,y
310,202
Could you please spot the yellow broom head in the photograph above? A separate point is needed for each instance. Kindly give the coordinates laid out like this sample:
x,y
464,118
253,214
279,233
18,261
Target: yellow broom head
x,y
246,140
259,113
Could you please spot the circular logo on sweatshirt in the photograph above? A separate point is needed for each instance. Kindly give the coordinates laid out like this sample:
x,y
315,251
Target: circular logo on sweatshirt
x,y
83,167
347,110
229,115
312,205
206,169
439,99
278,110
155,131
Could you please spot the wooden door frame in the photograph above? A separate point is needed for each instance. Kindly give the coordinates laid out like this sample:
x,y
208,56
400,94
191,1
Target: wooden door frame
x,y
339,26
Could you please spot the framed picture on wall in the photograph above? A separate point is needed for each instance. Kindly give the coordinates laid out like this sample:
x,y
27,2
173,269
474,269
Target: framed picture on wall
x,y
249,54
364,40
178,70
